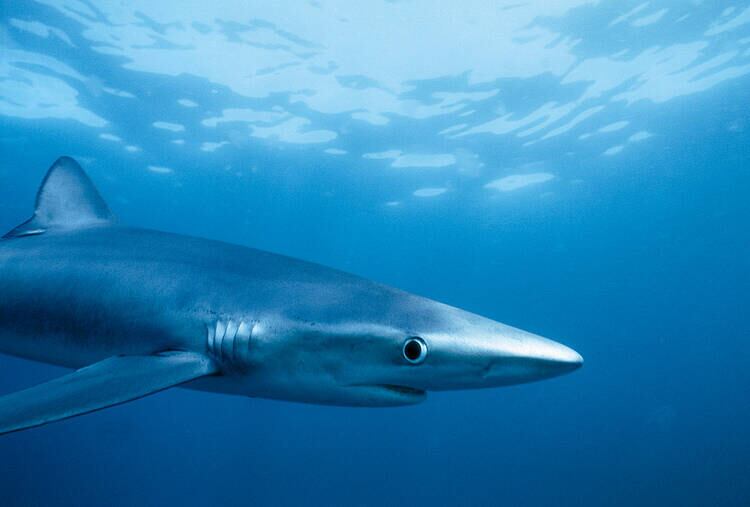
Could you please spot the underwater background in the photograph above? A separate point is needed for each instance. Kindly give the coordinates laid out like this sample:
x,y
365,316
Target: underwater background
x,y
576,168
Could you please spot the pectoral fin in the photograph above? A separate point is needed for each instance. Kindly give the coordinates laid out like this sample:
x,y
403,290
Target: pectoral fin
x,y
109,382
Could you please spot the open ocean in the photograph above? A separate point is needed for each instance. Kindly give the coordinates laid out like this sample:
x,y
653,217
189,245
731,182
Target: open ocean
x,y
576,168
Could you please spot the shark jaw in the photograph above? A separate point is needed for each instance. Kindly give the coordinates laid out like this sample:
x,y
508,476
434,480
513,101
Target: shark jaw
x,y
387,395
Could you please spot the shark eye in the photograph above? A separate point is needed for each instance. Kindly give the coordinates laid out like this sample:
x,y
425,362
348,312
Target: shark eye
x,y
415,350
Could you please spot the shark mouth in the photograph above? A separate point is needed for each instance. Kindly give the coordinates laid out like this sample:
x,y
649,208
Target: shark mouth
x,y
389,394
406,390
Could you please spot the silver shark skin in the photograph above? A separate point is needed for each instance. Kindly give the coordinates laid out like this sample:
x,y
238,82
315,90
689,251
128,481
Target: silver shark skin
x,y
275,327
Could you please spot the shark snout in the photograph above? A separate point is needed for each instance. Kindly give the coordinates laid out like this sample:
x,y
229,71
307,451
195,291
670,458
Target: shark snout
x,y
526,357
490,354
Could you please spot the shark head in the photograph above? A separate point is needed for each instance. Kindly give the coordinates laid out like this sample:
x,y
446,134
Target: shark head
x,y
393,356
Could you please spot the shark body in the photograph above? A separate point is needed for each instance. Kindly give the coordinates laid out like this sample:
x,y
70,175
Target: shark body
x,y
136,311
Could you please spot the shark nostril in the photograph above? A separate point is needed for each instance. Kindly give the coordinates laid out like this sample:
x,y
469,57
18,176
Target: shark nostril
x,y
415,350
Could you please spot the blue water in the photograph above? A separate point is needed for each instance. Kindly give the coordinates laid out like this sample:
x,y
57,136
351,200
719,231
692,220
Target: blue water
x,y
579,170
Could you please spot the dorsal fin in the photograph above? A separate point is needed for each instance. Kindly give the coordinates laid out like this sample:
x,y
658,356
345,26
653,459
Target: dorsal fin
x,y
67,199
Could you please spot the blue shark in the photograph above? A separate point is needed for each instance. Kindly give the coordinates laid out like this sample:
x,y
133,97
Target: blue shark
x,y
136,311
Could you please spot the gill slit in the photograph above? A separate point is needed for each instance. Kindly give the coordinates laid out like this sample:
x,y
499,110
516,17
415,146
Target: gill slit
x,y
229,341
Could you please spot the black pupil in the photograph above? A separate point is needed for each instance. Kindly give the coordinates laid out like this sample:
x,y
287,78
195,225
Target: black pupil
x,y
413,350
